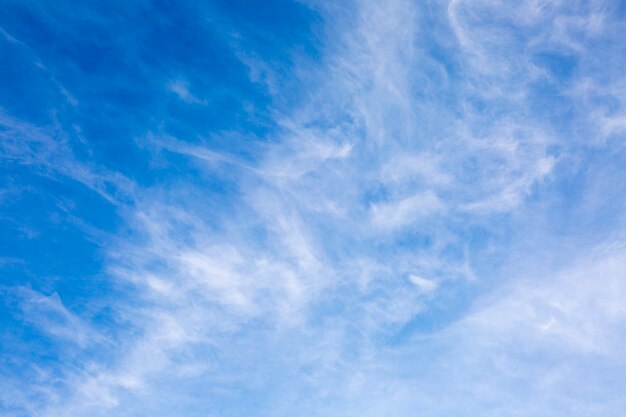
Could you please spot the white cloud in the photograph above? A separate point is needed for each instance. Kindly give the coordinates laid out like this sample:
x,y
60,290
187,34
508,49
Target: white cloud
x,y
424,285
405,212
52,317
181,89
300,273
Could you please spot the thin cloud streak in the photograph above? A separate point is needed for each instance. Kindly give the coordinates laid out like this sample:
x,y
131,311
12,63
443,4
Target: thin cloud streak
x,y
371,257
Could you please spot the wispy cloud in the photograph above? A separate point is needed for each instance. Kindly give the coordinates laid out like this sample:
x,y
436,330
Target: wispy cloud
x,y
181,89
380,246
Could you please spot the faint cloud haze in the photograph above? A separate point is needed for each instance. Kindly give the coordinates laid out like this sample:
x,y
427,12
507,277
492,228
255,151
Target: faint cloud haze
x,y
313,208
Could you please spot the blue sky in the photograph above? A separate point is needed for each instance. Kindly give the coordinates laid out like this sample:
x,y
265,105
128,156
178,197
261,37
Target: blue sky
x,y
313,208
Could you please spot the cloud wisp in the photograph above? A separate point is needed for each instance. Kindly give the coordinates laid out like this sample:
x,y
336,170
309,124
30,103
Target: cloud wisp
x,y
408,211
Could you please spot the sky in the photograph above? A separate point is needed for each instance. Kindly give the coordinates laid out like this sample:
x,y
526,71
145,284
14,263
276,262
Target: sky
x,y
276,208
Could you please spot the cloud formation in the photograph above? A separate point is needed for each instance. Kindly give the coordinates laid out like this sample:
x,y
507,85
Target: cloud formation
x,y
355,209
